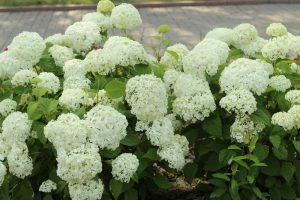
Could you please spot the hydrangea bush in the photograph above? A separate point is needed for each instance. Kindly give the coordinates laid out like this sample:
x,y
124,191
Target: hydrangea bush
x,y
86,115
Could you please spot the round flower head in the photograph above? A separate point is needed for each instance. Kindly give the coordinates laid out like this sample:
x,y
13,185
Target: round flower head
x,y
47,186
160,132
243,129
283,119
48,81
295,68
19,163
82,36
244,34
79,165
100,62
267,66
246,74
174,152
124,167
293,42
105,6
23,77
239,101
107,126
103,22
67,132
295,112
74,98
7,106
223,34
89,190
73,68
171,76
280,83
172,59
293,96
147,97
276,30
253,48
10,65
76,82
61,54
275,49
58,39
3,172
125,16
27,46
124,52
16,127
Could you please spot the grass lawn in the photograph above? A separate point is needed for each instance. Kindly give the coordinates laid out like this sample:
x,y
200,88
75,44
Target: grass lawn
x,y
49,2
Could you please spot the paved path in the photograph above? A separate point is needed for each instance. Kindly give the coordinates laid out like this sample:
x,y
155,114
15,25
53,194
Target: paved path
x,y
189,24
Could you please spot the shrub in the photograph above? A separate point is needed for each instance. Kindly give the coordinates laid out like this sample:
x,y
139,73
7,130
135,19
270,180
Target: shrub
x,y
83,121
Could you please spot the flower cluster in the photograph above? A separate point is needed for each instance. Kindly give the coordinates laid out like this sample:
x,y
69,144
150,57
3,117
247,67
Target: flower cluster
x,y
61,54
173,56
48,186
7,106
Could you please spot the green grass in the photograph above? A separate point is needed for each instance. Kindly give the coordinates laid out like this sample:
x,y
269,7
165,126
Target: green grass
x,y
52,2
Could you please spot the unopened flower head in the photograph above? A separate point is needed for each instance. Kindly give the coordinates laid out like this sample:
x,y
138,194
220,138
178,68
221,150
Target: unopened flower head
x,y
276,30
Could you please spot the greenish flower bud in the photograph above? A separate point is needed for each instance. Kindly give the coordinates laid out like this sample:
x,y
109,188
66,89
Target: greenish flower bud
x,y
105,6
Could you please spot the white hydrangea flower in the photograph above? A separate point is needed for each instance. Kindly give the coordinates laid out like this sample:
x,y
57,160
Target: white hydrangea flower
x,y
160,132
75,82
58,39
244,34
16,127
267,66
74,98
223,34
89,190
275,49
171,76
79,165
174,152
293,96
124,52
147,96
27,46
243,129
67,132
23,77
125,16
293,43
283,119
246,74
19,163
48,81
124,167
295,68
295,112
173,56
5,147
102,98
254,47
82,36
99,61
176,123
74,67
61,54
276,30
47,186
3,172
10,65
107,126
239,101
7,106
280,83
103,22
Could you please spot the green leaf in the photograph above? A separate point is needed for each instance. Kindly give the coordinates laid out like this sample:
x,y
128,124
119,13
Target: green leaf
x,y
39,92
4,189
116,188
48,197
261,116
213,125
151,154
225,156
115,89
190,171
221,176
287,171
218,193
131,195
257,192
142,69
297,145
281,153
234,147
164,28
253,143
287,192
261,151
234,190
110,153
131,140
23,191
275,140
173,54
273,168
162,182
242,163
41,107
